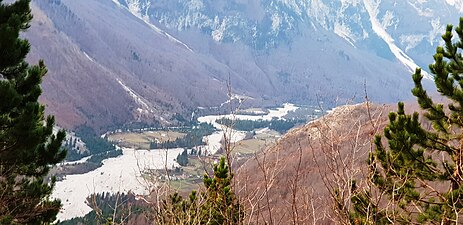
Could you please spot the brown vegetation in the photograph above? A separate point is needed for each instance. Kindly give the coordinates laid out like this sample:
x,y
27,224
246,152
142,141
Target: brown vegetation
x,y
142,140
298,180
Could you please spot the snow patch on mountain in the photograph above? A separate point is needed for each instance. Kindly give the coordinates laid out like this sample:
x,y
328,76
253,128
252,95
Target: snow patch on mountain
x,y
345,32
437,29
143,103
135,7
319,11
276,22
426,12
220,28
387,20
292,4
411,41
170,37
372,7
117,3
88,57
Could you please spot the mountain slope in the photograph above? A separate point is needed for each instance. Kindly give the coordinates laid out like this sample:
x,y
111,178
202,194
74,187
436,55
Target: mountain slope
x,y
116,62
91,81
308,164
73,85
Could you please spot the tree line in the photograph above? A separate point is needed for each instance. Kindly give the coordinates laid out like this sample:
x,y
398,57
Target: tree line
x,y
193,138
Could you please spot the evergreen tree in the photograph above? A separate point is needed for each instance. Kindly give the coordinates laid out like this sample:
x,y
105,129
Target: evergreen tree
x,y
182,159
28,146
216,205
421,170
223,207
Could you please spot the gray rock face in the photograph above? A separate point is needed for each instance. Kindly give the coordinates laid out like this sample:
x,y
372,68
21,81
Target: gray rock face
x,y
414,26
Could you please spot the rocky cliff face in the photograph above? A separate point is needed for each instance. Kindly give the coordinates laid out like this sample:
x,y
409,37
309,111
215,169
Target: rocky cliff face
x,y
400,29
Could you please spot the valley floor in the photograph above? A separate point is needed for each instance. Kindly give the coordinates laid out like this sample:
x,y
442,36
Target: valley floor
x,y
124,173
121,174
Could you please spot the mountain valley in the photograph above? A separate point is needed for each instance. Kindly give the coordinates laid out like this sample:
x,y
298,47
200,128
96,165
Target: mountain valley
x,y
159,59
158,94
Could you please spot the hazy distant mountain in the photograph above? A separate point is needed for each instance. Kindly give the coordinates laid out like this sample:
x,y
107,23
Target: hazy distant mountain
x,y
113,62
402,29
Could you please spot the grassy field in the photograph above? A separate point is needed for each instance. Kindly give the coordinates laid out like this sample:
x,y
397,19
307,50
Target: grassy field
x,y
251,146
246,149
191,176
195,170
143,140
195,166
